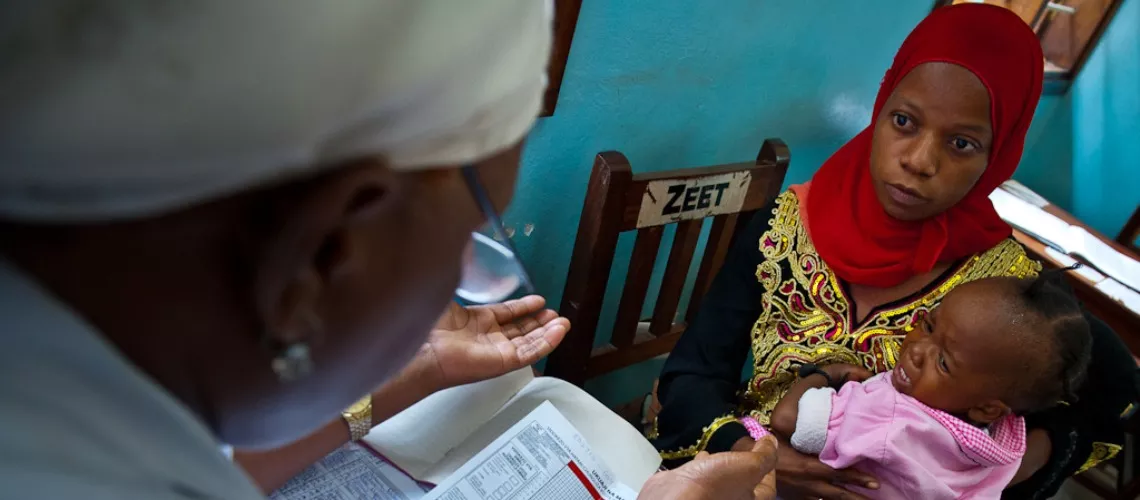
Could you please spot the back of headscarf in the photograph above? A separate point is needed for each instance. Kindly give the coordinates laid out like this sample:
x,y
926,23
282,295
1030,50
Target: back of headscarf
x,y
132,108
852,232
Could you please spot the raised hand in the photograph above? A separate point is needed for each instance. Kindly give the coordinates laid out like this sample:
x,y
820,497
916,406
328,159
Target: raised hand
x,y
474,343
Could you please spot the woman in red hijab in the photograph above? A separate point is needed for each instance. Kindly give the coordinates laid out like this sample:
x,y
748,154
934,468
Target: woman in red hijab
x,y
835,270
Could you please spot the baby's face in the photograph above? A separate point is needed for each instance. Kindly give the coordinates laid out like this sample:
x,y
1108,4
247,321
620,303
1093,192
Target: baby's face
x,y
957,358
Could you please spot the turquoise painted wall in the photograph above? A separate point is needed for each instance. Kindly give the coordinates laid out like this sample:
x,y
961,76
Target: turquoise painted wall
x,y
1106,125
1046,165
677,84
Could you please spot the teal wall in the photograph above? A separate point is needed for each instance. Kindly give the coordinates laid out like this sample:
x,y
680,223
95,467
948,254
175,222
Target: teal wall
x,y
676,84
1106,126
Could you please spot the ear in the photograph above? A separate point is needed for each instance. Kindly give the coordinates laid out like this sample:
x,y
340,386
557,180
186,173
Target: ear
x,y
988,412
311,244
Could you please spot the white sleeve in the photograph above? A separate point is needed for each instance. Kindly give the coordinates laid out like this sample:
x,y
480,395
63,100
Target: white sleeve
x,y
811,423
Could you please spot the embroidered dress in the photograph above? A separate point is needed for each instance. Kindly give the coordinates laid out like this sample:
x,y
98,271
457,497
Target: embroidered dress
x,y
775,305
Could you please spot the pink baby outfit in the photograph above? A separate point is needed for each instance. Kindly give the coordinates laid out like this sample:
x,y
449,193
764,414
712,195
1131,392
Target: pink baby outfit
x,y
915,451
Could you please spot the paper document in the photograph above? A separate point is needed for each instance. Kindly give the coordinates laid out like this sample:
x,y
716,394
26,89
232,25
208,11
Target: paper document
x,y
541,457
1104,257
1044,226
428,442
1021,191
1066,261
1070,239
1129,298
351,472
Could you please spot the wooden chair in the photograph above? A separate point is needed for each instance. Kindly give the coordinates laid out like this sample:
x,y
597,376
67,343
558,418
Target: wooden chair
x,y
618,201
1130,232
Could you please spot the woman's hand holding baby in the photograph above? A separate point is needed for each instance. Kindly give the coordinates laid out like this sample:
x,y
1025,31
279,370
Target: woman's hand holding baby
x,y
804,476
842,373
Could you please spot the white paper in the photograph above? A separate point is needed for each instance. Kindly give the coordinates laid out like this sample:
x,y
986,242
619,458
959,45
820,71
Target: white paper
x,y
541,457
350,473
1119,266
417,438
1040,224
1120,293
1070,239
1088,272
1021,191
622,446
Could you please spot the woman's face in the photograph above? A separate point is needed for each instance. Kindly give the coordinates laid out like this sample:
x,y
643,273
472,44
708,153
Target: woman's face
x,y
931,141
381,278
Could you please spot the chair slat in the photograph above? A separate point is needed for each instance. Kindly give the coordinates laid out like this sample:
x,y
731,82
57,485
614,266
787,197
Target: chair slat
x,y
636,285
676,270
720,239
590,265
618,201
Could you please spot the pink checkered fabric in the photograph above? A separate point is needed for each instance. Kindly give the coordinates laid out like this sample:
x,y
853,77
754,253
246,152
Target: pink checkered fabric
x,y
755,430
1004,445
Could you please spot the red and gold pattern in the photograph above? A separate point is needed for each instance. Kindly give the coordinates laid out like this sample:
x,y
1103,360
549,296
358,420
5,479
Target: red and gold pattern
x,y
806,315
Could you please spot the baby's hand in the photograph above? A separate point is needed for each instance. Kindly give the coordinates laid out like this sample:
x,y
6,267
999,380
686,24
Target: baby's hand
x,y
841,373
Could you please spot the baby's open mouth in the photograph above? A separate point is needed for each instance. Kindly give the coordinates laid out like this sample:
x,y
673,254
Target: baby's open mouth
x,y
900,378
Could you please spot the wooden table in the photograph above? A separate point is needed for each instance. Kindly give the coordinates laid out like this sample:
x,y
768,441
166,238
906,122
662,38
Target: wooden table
x,y
1122,320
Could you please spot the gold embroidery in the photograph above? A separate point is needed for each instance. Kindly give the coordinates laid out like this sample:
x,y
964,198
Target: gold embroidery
x,y
1100,453
804,315
706,435
804,311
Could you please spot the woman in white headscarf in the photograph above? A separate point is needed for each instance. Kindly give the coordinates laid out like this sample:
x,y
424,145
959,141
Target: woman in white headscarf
x,y
225,221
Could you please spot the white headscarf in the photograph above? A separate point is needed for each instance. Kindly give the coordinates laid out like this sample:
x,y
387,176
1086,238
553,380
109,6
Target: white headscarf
x,y
128,108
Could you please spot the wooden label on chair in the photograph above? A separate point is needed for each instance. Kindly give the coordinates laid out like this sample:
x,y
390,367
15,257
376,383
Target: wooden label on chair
x,y
673,200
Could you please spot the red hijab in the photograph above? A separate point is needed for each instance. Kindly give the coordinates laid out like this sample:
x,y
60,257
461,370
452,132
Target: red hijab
x,y
849,227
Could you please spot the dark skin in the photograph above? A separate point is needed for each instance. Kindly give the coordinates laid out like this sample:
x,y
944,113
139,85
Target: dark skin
x,y
468,344
957,359
932,139
970,354
312,260
359,262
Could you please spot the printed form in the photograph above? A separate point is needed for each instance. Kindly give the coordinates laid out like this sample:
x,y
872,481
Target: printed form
x,y
541,457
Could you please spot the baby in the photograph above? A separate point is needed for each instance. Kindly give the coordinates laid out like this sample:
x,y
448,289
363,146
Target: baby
x,y
947,422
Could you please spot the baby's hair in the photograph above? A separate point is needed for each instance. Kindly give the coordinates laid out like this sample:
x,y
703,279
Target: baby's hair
x,y
1063,325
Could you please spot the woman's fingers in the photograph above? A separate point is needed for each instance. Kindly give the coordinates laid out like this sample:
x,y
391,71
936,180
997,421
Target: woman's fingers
x,y
734,473
814,469
521,327
511,310
818,470
855,477
766,490
833,492
529,323
541,341
860,374
767,446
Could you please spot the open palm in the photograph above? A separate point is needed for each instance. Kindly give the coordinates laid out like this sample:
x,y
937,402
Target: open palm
x,y
474,343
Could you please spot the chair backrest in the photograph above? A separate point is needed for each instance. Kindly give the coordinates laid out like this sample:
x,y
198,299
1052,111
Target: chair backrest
x,y
618,201
1131,232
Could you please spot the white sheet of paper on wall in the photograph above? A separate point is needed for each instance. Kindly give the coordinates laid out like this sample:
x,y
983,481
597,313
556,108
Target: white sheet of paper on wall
x,y
671,200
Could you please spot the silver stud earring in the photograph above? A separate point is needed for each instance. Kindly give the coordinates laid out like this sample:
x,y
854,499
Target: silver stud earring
x,y
294,362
